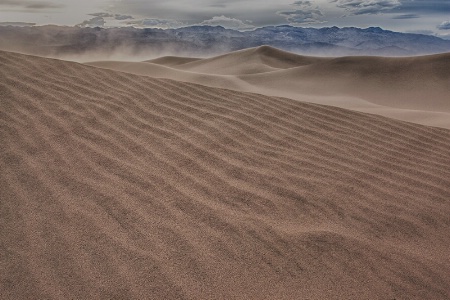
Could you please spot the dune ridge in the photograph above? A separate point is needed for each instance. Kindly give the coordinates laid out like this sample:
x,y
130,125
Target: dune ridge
x,y
249,61
162,71
118,186
171,61
413,89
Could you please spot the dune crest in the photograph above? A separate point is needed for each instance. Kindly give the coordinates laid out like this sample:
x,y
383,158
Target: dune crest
x,y
249,61
413,89
171,61
118,186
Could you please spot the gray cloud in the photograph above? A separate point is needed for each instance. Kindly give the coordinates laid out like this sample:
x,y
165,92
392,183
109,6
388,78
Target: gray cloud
x,y
30,4
218,5
423,6
444,25
94,22
102,15
426,32
445,36
226,22
305,13
363,7
18,24
109,15
406,16
277,12
123,17
195,11
302,3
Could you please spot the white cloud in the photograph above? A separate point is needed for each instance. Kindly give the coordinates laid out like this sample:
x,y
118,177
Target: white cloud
x,y
230,23
444,25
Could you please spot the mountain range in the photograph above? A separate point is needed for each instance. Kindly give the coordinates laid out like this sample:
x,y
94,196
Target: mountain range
x,y
51,40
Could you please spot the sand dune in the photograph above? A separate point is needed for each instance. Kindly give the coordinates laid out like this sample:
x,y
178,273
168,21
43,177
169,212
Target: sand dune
x,y
411,89
161,71
118,186
421,83
171,61
250,61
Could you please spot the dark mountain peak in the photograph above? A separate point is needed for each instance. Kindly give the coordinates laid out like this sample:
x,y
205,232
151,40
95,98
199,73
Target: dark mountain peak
x,y
375,30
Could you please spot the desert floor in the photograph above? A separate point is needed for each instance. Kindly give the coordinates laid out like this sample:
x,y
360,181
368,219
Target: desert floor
x,y
121,186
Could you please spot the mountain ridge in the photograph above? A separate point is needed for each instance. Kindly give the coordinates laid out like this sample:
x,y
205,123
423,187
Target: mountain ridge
x,y
52,40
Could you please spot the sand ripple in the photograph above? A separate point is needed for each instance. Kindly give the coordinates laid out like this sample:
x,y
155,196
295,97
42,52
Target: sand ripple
x,y
118,186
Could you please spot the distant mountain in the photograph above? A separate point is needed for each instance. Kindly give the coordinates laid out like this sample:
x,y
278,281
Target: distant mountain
x,y
207,40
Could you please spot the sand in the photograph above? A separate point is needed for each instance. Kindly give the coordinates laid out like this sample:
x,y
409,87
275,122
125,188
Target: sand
x,y
413,89
119,186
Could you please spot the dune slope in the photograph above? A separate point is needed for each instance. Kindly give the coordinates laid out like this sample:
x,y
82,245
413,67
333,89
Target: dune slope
x,y
172,61
413,89
249,61
421,83
117,186
162,71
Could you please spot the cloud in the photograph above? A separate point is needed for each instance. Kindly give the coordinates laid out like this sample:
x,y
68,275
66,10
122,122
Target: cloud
x,y
94,22
444,36
220,5
30,4
226,22
364,7
444,25
123,17
406,16
17,24
114,16
191,12
302,3
102,15
424,6
305,13
155,23
421,31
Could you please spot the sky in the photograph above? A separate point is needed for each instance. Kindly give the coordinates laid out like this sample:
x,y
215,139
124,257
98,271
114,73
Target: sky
x,y
418,16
